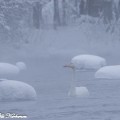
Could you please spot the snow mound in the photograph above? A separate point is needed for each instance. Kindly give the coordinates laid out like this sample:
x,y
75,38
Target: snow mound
x,y
11,90
109,72
8,69
88,62
21,65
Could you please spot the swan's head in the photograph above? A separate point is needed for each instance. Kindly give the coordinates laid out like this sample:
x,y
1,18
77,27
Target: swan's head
x,y
70,66
21,65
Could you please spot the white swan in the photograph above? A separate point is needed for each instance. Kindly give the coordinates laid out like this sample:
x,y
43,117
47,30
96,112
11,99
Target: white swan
x,y
77,91
83,63
11,90
7,69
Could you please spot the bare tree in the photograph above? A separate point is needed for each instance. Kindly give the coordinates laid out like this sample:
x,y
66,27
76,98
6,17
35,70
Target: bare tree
x,y
82,7
107,11
37,15
56,14
77,3
64,12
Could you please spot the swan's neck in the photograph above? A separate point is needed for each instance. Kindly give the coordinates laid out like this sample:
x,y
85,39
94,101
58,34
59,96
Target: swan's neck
x,y
73,83
72,91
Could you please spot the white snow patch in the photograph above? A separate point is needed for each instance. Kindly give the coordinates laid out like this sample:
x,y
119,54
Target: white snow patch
x,y
116,2
8,69
89,62
109,72
21,65
11,90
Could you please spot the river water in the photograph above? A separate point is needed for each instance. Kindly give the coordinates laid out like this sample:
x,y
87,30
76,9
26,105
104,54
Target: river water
x,y
52,82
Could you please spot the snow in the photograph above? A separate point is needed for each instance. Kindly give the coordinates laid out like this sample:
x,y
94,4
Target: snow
x,y
116,2
7,69
88,62
7,27
108,72
11,90
21,65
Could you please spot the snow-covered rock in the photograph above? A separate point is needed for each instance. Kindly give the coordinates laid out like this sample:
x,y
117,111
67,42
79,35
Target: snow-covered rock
x,y
11,90
109,72
88,62
7,69
21,65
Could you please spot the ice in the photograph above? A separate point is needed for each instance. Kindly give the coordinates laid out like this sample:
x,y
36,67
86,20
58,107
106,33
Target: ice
x,y
109,72
88,62
11,90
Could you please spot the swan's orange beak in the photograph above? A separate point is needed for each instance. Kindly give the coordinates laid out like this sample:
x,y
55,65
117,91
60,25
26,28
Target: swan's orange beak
x,y
69,66
65,66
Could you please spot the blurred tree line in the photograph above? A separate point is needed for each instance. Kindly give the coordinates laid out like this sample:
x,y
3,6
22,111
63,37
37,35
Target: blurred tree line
x,y
16,16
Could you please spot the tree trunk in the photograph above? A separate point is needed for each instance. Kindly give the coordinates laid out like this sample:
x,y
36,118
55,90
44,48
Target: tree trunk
x,y
76,5
56,14
107,11
37,15
63,12
81,7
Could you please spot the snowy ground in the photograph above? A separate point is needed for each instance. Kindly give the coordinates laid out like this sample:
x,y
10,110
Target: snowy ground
x,y
45,59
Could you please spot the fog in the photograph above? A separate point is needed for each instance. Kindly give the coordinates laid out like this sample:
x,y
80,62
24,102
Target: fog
x,y
46,35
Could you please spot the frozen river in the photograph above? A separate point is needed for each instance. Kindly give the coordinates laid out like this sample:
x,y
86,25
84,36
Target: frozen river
x,y
52,82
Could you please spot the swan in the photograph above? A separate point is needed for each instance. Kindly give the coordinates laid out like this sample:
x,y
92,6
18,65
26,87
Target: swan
x,y
7,69
77,91
11,90
83,63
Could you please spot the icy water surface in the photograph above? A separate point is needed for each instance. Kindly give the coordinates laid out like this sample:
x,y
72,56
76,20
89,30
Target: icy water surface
x,y
52,82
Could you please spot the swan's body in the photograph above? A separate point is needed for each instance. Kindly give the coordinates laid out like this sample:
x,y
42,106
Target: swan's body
x,y
11,90
83,63
108,72
7,69
78,92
